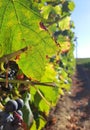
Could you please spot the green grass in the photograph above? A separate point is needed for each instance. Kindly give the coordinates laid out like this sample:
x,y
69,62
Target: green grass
x,y
83,61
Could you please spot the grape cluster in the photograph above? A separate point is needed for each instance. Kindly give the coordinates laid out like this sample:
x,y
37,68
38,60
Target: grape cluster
x,y
11,117
11,71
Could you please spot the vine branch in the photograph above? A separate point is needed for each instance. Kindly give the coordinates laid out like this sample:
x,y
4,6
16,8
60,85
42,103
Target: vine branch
x,y
50,84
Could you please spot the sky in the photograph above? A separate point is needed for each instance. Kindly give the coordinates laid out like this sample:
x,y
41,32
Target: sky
x,y
81,18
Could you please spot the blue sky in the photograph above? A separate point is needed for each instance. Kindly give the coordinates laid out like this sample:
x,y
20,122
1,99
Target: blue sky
x,y
81,18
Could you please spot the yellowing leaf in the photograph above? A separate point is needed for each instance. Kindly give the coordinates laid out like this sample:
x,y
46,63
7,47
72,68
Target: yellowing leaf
x,y
50,74
65,23
71,5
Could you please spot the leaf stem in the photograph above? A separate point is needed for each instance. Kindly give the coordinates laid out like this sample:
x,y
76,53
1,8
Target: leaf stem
x,y
49,84
47,102
7,57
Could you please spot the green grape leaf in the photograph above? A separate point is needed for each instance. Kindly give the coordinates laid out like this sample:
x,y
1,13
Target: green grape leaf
x,y
64,24
20,27
58,9
44,28
61,92
71,5
46,11
50,93
41,123
39,102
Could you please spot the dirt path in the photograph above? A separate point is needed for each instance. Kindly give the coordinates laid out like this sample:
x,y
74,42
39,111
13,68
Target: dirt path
x,y
73,110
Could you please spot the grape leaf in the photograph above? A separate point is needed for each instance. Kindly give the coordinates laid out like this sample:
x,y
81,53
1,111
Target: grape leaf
x,y
50,93
20,27
41,123
65,23
43,27
71,5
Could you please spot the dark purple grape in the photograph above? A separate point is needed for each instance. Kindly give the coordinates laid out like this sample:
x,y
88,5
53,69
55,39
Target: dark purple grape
x,y
11,106
20,103
12,69
5,117
12,73
11,64
20,113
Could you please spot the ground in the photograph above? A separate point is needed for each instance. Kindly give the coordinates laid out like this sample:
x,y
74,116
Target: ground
x,y
73,110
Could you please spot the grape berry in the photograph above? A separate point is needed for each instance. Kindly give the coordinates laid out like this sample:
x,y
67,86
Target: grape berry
x,y
20,103
11,69
12,117
11,106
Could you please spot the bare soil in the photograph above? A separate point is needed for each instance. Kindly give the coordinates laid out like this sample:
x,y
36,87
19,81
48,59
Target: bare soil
x,y
73,110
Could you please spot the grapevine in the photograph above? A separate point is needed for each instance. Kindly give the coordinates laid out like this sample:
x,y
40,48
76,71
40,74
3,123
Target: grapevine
x,y
36,59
